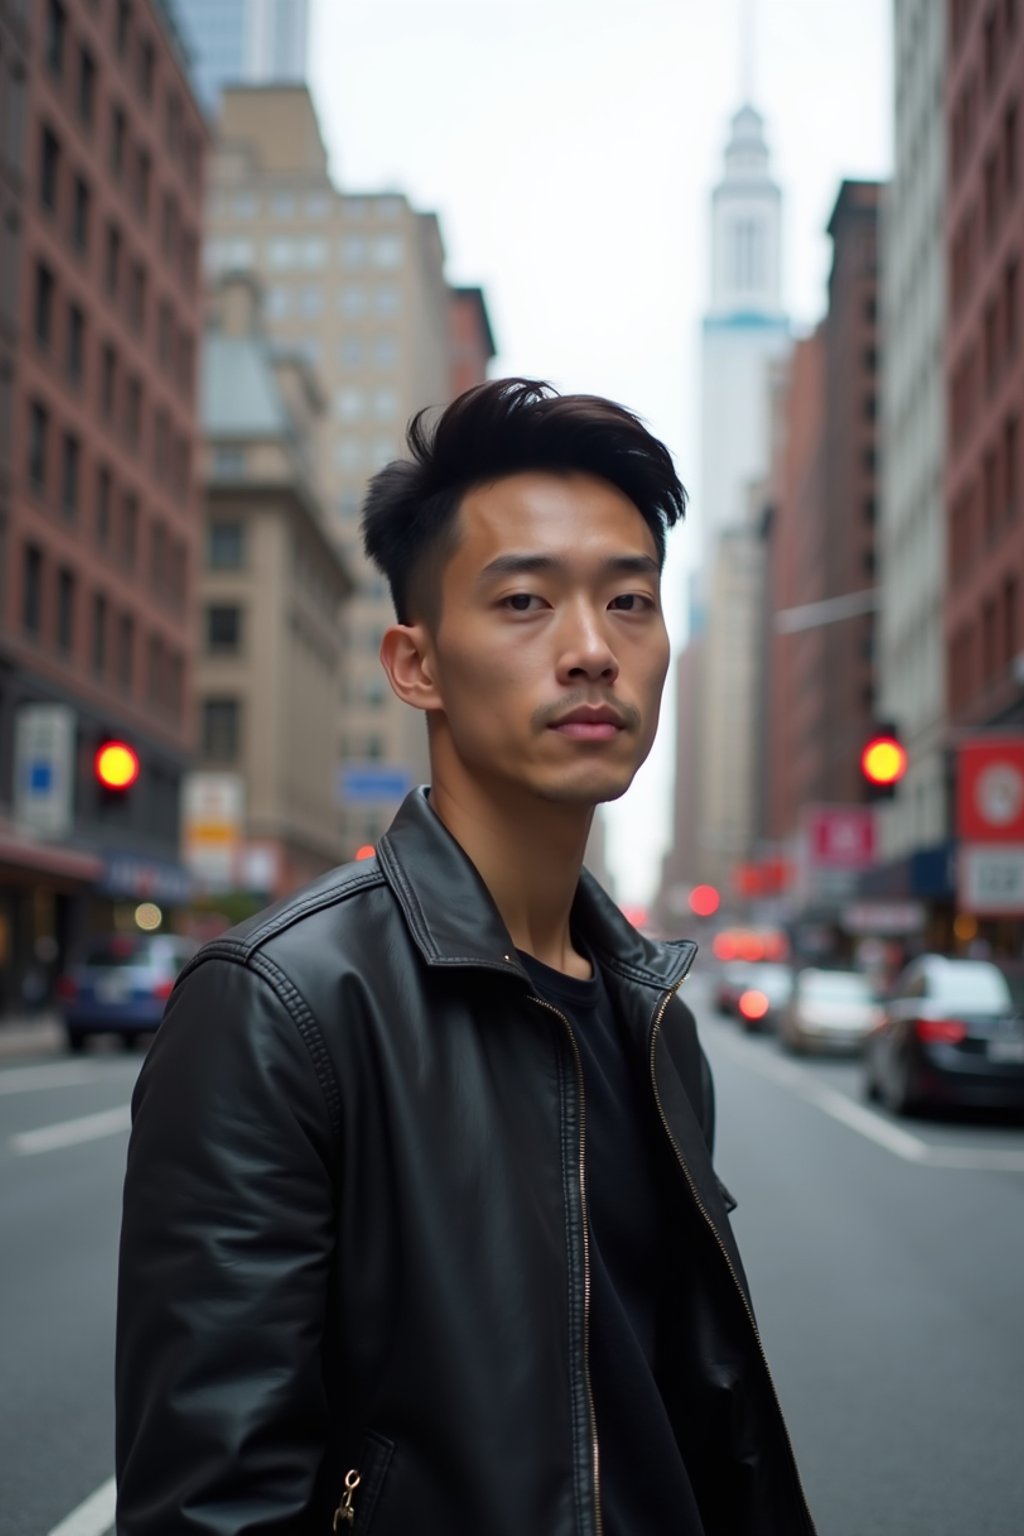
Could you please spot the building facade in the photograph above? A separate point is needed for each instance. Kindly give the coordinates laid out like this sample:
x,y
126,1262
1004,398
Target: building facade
x,y
850,486
911,505
271,591
102,518
984,365
356,283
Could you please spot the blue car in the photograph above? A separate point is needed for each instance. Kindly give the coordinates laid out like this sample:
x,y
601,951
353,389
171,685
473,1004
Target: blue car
x,y
120,985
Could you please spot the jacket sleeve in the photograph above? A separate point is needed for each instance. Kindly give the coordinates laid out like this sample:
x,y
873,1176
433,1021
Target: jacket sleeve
x,y
226,1248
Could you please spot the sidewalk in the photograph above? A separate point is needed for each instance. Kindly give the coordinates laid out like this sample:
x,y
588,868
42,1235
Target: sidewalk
x,y
35,1034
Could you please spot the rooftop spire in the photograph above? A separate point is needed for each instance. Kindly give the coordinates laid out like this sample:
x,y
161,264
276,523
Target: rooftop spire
x,y
748,50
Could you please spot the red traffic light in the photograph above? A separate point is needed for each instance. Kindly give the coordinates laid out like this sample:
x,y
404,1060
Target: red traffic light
x,y
116,765
883,760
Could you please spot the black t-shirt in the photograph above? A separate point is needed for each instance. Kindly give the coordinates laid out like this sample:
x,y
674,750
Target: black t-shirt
x,y
644,1483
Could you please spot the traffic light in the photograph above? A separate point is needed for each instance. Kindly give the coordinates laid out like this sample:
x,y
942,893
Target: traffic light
x,y
883,762
116,766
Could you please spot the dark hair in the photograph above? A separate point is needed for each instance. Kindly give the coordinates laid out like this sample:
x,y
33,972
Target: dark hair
x,y
504,427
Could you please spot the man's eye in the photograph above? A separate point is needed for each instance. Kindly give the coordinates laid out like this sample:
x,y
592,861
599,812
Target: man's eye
x,y
520,602
633,602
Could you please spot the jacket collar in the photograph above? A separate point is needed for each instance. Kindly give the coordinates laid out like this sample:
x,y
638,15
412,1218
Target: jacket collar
x,y
454,921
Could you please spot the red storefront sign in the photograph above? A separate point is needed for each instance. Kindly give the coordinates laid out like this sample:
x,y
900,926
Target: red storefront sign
x,y
840,836
990,790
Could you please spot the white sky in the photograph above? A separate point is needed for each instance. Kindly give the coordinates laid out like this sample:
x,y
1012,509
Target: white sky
x,y
569,147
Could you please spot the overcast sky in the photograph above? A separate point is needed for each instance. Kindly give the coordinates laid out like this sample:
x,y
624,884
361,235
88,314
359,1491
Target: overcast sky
x,y
569,147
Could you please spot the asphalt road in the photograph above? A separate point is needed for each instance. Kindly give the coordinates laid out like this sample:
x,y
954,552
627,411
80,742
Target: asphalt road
x,y
886,1260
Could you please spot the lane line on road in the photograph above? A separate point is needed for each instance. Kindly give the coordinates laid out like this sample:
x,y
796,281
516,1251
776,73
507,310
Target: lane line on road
x,y
868,1122
93,1517
70,1133
28,1079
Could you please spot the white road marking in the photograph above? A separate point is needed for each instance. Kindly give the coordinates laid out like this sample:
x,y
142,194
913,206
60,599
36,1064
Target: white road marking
x,y
92,1518
69,1133
869,1123
59,1075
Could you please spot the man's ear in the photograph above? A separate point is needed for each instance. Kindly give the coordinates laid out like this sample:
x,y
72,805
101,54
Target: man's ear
x,y
407,657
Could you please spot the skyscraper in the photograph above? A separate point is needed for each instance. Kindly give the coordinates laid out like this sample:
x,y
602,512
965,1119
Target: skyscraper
x,y
245,41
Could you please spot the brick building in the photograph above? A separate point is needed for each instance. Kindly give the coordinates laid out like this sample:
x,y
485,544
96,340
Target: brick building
x,y
984,363
103,518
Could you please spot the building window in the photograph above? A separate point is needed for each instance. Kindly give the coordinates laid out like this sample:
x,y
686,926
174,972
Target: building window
x,y
49,169
387,300
385,352
32,591
143,181
283,205
137,297
65,611
123,24
353,251
354,300
1011,308
387,252
245,205
1009,619
108,381
318,205
70,461
349,403
112,261
133,412
118,135
311,301
38,444
86,87
104,496
223,628
226,546
221,730
1011,466
44,305
80,216
54,37
99,634
147,69
228,462
350,352
76,343
130,530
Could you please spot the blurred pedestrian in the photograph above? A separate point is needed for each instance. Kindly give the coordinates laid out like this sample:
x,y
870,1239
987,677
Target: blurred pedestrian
x,y
421,1230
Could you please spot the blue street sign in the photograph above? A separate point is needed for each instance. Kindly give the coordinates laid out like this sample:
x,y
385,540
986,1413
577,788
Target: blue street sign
x,y
365,783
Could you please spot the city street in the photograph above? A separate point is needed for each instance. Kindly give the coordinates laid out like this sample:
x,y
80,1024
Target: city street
x,y
885,1260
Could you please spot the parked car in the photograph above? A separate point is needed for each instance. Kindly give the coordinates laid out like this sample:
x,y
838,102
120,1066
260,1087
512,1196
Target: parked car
x,y
828,1010
120,984
732,982
952,1032
767,991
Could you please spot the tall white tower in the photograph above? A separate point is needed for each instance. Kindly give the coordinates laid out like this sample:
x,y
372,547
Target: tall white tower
x,y
744,329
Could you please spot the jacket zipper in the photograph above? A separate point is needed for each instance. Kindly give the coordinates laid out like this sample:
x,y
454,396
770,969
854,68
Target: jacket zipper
x,y
345,1514
595,1452
656,1026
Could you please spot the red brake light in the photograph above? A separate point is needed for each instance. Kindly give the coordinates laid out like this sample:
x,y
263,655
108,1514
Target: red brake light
x,y
753,1004
940,1031
163,989
66,989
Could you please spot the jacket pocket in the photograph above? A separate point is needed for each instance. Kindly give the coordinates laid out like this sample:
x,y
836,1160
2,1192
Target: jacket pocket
x,y
362,1484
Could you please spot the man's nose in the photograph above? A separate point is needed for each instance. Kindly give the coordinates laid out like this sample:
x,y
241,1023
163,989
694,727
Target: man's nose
x,y
586,650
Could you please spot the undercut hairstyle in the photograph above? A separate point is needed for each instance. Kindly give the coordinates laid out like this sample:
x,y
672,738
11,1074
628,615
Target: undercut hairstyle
x,y
504,427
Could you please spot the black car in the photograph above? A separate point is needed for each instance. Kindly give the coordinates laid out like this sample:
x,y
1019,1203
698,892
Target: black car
x,y
120,984
951,1032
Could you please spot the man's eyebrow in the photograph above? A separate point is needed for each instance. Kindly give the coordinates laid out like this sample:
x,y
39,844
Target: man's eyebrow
x,y
532,565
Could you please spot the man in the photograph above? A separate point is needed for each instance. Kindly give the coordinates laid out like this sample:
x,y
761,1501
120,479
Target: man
x,y
421,1232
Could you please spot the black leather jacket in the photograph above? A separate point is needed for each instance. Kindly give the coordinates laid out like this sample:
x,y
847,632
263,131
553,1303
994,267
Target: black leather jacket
x,y
355,1230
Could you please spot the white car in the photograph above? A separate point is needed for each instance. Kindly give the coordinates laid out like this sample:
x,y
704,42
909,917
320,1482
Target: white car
x,y
828,1010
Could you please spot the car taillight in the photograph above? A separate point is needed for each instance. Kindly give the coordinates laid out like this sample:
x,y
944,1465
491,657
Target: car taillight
x,y
163,989
66,989
753,1004
940,1031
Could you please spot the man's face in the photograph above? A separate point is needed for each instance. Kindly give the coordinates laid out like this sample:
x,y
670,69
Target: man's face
x,y
550,653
